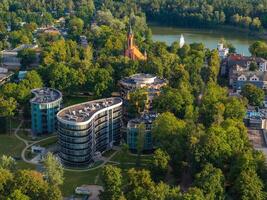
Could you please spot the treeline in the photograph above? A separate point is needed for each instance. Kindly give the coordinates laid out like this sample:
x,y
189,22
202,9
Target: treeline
x,y
180,12
204,13
21,184
200,133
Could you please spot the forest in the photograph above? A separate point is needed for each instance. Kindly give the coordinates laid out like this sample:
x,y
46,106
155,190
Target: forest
x,y
206,13
200,136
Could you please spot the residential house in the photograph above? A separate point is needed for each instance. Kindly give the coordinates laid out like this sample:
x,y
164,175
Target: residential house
x,y
241,70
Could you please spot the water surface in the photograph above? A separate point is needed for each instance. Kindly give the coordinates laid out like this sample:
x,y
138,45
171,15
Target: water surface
x,y
210,37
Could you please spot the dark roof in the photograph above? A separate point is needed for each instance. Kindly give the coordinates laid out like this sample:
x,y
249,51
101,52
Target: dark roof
x,y
45,95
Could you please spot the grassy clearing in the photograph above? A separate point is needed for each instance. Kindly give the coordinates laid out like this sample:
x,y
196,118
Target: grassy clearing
x,y
10,145
130,158
25,135
23,165
28,136
71,100
97,163
75,179
48,142
14,122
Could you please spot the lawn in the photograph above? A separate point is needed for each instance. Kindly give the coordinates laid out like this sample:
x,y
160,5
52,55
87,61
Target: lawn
x,y
15,122
76,179
71,100
25,134
47,142
28,136
130,158
10,145
23,165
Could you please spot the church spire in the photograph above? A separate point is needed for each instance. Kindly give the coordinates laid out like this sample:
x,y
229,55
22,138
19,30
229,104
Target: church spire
x,y
132,51
130,38
130,32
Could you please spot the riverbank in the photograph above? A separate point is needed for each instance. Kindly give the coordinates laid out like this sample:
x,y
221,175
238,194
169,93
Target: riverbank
x,y
262,35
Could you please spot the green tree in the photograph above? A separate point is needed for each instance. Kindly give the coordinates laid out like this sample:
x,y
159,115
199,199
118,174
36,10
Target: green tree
x,y
253,66
19,37
254,95
7,162
32,184
246,21
18,195
99,81
53,170
160,163
76,26
112,181
169,135
138,100
7,108
55,52
62,77
213,66
235,108
248,186
193,194
212,104
139,185
213,147
235,19
173,100
6,179
32,80
27,56
258,48
211,181
256,23
54,193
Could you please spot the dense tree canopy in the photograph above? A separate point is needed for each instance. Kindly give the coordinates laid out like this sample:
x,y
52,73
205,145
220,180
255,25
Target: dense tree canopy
x,y
199,137
254,95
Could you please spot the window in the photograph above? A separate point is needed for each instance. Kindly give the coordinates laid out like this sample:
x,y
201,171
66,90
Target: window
x,y
254,78
242,78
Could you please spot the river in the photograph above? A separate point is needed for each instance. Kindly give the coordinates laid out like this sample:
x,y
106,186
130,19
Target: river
x,y
210,38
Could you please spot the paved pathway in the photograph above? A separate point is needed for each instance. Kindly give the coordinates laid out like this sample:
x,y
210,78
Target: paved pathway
x,y
28,145
106,160
17,136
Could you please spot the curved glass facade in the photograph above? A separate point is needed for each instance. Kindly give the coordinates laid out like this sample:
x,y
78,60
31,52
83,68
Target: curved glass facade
x,y
79,142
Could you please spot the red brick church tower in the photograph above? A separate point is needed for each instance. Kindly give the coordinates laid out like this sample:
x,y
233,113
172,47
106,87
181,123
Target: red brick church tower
x,y
132,51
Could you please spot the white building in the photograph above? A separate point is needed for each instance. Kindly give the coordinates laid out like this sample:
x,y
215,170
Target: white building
x,y
223,52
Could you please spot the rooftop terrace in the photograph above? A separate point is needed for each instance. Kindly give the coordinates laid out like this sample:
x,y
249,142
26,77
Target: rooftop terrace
x,y
146,118
84,111
45,95
142,79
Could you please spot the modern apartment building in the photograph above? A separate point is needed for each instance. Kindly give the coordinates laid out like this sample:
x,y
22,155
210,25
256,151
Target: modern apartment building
x,y
133,128
151,83
86,130
44,107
